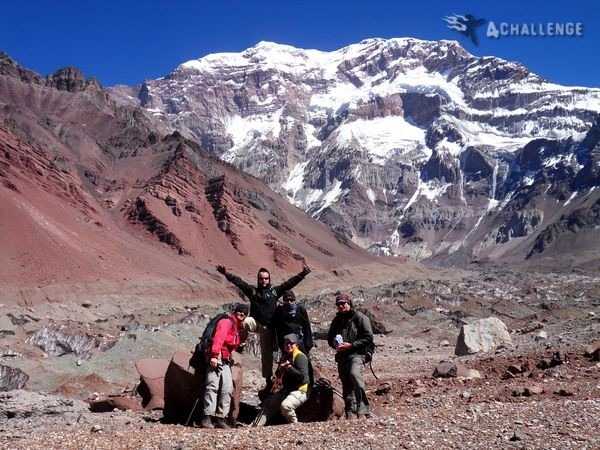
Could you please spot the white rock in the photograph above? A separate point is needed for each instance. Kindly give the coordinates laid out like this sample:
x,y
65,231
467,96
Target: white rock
x,y
471,374
482,335
541,336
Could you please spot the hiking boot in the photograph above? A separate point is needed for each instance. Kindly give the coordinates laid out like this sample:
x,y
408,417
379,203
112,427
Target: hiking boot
x,y
206,422
221,423
350,415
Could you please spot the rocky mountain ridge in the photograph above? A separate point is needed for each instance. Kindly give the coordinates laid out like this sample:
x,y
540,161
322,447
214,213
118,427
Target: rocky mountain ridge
x,y
402,145
103,194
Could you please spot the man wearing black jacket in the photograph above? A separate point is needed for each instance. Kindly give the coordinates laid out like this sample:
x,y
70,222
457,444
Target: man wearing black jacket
x,y
263,301
291,317
351,335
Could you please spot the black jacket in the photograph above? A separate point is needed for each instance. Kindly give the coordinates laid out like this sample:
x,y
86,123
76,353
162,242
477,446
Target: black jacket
x,y
263,301
297,374
286,321
356,329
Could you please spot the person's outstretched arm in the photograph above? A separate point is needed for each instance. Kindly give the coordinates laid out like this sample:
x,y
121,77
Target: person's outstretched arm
x,y
246,288
292,282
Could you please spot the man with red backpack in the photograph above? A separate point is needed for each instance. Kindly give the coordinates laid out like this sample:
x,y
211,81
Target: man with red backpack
x,y
218,386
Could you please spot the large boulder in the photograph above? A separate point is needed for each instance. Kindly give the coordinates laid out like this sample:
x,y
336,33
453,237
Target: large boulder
x,y
482,335
152,382
182,387
12,378
592,351
59,341
20,404
376,321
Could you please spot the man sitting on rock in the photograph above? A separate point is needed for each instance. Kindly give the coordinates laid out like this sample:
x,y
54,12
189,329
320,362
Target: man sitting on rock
x,y
295,373
218,382
263,301
351,335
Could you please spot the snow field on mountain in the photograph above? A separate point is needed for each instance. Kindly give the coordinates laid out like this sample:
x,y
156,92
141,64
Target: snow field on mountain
x,y
244,130
383,137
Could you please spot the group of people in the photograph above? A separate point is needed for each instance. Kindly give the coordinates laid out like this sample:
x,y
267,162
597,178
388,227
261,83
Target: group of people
x,y
286,324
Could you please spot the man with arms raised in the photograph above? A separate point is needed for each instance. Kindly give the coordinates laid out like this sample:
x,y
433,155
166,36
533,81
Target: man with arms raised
x,y
263,301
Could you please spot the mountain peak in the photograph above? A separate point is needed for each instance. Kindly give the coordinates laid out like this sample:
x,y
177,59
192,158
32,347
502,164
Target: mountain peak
x,y
286,57
70,79
391,125
11,68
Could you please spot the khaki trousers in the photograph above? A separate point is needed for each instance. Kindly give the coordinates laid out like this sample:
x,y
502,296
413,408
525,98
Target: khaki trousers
x,y
218,389
284,402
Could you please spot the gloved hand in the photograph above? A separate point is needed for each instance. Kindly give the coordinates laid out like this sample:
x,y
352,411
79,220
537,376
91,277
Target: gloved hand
x,y
306,270
222,269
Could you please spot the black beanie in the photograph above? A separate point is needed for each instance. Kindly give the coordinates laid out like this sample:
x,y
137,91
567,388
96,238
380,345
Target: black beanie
x,y
240,307
343,297
289,295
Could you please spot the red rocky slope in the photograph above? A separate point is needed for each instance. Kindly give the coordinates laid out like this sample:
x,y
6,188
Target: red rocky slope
x,y
97,198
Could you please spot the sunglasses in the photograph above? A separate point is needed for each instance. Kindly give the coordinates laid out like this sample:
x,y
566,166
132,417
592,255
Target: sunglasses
x,y
340,303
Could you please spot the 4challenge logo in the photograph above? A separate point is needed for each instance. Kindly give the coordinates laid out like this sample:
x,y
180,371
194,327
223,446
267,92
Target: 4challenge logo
x,y
467,25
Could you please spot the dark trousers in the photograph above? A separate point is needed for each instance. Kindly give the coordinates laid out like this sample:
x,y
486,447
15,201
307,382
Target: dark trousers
x,y
353,385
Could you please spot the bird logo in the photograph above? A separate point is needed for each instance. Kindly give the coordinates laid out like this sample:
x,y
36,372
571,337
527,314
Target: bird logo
x,y
465,24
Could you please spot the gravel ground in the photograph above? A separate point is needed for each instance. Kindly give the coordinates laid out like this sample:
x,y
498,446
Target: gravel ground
x,y
418,411
564,424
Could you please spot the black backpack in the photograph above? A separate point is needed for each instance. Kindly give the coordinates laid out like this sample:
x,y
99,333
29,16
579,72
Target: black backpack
x,y
198,360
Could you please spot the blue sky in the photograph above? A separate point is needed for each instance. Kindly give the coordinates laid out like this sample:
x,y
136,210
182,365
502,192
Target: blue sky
x,y
126,42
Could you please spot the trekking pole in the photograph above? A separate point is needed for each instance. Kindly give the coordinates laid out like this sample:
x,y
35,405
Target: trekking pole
x,y
187,422
274,388
372,371
256,420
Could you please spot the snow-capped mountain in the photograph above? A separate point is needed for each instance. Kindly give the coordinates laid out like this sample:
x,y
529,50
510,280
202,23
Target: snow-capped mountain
x,y
403,145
